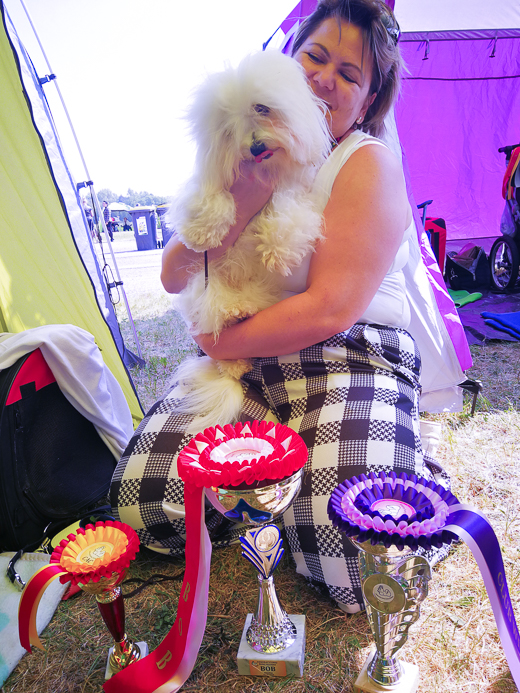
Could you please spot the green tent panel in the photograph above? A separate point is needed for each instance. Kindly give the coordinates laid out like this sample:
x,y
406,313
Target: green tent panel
x,y
43,280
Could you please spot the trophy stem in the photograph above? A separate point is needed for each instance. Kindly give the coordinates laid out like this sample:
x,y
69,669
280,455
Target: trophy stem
x,y
112,609
385,670
271,629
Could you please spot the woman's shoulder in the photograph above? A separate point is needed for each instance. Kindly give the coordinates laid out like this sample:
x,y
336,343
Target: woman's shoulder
x,y
371,157
355,162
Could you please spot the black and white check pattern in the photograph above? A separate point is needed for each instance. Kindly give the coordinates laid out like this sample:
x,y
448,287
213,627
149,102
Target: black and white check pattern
x,y
352,398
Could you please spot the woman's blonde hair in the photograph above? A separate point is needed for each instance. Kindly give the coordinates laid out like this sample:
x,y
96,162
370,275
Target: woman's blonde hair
x,y
381,33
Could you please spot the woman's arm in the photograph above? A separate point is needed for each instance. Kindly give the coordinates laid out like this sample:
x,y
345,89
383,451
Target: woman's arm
x,y
365,219
251,192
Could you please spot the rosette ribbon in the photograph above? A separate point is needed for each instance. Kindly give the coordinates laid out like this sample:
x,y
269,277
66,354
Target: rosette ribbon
x,y
407,511
94,554
222,456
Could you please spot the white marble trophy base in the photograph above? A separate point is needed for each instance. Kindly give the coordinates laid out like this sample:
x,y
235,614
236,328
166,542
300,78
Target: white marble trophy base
x,y
408,683
143,647
288,662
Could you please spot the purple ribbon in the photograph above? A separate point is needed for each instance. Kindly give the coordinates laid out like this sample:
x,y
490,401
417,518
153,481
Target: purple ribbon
x,y
470,525
358,508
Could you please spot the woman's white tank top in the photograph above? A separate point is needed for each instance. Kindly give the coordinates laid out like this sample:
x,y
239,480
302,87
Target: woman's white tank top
x,y
390,305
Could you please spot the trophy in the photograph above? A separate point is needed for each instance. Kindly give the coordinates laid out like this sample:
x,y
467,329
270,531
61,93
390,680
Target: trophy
x,y
387,517
393,585
96,559
260,466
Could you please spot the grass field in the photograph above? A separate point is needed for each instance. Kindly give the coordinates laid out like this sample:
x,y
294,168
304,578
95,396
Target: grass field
x,y
455,643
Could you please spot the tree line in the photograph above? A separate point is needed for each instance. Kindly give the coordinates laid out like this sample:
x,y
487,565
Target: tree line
x,y
132,198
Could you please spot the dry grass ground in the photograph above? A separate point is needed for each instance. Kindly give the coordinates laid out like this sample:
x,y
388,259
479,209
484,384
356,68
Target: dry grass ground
x,y
455,643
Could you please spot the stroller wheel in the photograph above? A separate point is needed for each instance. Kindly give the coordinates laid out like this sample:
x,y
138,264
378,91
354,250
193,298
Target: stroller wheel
x,y
504,263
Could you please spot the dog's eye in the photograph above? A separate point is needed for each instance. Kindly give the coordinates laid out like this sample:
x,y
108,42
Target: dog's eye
x,y
260,108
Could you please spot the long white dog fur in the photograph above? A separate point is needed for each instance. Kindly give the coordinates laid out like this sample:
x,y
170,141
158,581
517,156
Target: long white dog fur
x,y
263,106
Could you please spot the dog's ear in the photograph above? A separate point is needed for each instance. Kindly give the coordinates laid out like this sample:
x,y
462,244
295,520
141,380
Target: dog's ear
x,y
217,164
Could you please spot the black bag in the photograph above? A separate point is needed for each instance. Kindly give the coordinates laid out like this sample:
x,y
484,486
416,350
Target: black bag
x,y
468,269
53,463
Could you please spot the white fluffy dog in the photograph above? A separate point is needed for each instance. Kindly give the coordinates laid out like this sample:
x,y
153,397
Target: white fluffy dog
x,y
263,106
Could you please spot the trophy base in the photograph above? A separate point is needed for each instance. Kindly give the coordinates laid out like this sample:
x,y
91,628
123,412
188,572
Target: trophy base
x,y
288,662
109,671
409,682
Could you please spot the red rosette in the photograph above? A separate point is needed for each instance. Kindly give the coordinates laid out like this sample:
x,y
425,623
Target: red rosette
x,y
243,453
116,545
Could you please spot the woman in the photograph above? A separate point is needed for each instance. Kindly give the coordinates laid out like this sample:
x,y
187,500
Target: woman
x,y
333,359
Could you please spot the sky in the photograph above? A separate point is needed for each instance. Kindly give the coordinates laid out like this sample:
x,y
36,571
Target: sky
x,y
126,69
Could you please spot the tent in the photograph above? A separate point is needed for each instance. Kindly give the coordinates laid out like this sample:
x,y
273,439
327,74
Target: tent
x,y
49,273
118,207
460,102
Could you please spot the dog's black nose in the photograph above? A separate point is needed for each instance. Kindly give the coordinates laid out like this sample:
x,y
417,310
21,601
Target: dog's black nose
x,y
257,148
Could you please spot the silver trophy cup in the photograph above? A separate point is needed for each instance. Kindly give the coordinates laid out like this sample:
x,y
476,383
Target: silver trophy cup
x,y
271,630
394,583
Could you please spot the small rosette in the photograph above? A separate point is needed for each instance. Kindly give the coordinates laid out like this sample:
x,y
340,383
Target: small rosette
x,y
392,509
243,453
96,552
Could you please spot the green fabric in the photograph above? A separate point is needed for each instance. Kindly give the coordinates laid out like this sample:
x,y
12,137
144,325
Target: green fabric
x,y
461,298
42,278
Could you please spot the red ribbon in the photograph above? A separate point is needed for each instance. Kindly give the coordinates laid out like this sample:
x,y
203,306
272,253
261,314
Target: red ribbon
x,y
166,669
170,664
31,595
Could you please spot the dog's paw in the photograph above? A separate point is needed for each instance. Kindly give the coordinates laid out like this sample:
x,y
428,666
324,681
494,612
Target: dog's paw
x,y
205,222
276,261
230,315
235,369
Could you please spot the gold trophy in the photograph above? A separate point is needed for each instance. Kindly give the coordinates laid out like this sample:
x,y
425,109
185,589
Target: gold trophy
x,y
96,559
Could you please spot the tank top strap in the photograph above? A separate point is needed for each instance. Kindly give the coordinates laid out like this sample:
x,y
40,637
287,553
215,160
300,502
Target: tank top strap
x,y
328,172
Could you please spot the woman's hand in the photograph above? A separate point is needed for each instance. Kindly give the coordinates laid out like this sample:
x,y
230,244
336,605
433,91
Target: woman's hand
x,y
206,342
251,190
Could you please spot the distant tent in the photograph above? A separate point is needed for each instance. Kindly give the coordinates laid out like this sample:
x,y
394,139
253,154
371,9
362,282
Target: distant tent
x,y
460,103
118,208
49,273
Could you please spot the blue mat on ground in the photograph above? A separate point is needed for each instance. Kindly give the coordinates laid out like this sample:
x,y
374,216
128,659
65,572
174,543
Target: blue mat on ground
x,y
507,322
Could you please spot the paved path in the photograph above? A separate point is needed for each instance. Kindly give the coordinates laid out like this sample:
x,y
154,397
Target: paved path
x,y
139,269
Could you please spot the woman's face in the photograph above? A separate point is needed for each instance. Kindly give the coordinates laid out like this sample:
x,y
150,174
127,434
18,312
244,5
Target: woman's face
x,y
339,73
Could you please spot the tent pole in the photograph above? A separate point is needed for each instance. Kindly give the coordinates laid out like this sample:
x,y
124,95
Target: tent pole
x,y
101,218
52,77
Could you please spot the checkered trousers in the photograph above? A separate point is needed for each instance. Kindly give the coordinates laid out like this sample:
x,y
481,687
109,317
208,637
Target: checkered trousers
x,y
352,398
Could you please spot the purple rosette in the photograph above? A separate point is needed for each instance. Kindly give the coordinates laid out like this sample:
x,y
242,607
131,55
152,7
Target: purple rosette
x,y
393,510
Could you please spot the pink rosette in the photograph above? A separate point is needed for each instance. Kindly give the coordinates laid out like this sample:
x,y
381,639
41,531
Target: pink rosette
x,y
241,454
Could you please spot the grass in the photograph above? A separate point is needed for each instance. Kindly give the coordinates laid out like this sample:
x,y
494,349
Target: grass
x,y
455,644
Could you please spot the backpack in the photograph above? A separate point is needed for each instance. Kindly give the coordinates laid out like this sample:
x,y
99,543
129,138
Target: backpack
x,y
53,464
468,269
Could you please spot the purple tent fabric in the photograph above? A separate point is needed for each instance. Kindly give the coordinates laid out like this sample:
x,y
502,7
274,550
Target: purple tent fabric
x,y
459,104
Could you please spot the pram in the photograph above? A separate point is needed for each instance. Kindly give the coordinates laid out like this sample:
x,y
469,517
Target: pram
x,y
504,258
